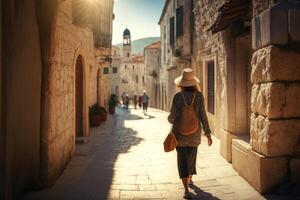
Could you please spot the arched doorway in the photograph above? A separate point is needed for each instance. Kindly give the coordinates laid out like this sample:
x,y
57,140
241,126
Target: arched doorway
x,y
79,96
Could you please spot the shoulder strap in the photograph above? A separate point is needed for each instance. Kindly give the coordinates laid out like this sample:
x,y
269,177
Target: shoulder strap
x,y
193,98
184,98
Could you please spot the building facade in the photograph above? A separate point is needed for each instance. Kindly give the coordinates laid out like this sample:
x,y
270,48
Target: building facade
x,y
243,66
176,49
116,64
130,78
47,91
152,67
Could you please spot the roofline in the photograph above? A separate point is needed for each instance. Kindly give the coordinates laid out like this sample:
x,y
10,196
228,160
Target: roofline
x,y
164,10
146,47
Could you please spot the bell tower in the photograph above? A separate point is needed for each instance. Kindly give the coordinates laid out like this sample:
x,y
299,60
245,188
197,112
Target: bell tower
x,y
126,44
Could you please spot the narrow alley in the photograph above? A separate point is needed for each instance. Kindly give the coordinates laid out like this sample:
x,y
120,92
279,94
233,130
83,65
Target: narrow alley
x,y
124,159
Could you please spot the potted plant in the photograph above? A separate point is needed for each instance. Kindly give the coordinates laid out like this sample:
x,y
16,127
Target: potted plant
x,y
103,113
95,115
112,103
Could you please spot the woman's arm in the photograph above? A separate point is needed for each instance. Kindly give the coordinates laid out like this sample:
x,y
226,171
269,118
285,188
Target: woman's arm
x,y
203,117
174,114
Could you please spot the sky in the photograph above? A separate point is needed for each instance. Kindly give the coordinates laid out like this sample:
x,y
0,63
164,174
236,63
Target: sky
x,y
140,16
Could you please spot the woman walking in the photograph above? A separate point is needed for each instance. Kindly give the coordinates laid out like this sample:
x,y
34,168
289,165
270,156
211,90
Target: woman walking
x,y
187,115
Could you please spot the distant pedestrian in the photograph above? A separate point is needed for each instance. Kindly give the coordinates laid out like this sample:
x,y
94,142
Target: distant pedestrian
x,y
112,103
135,101
140,100
187,112
145,101
127,101
123,98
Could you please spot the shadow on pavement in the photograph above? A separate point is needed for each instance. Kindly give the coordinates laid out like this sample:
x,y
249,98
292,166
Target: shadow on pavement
x,y
200,194
90,172
129,116
120,140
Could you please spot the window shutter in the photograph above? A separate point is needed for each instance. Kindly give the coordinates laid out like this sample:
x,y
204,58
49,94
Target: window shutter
x,y
211,86
179,21
172,30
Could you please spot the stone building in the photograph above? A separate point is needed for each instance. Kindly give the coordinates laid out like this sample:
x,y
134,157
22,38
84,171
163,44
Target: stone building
x,y
248,72
176,49
116,64
54,55
152,67
131,73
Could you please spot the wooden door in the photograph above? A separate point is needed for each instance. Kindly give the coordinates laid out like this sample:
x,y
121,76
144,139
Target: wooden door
x,y
79,97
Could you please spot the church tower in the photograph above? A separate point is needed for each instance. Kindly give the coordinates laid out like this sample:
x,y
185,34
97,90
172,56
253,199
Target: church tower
x,y
126,44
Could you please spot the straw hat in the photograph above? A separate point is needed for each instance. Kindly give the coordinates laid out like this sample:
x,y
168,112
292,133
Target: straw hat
x,y
187,78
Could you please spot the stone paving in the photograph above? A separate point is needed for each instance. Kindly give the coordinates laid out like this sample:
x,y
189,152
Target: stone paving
x,y
124,159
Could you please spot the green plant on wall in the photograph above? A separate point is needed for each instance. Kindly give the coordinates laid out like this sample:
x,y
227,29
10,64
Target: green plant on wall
x,y
177,53
96,110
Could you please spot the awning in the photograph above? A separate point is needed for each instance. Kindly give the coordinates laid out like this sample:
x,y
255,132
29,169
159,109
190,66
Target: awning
x,y
230,11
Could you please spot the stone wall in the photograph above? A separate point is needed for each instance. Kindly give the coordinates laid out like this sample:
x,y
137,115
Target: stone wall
x,y
59,130
167,62
275,95
132,77
274,103
152,65
100,83
116,63
231,54
208,46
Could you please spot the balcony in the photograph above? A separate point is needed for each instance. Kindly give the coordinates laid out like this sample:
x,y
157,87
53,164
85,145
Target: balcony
x,y
102,39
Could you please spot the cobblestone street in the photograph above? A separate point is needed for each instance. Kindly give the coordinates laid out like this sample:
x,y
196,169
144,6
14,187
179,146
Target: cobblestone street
x,y
124,159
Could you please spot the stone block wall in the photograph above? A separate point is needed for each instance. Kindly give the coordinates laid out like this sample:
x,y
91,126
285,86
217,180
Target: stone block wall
x,y
275,119
275,97
59,118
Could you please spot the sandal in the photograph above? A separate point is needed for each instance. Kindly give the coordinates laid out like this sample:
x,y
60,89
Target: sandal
x,y
191,183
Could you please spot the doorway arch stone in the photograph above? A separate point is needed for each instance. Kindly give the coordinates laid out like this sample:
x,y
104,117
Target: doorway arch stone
x,y
80,58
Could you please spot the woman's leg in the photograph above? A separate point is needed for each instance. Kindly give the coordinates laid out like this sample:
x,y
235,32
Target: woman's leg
x,y
190,181
182,164
185,184
192,158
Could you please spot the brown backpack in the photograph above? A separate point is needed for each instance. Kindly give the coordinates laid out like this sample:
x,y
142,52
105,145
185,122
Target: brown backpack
x,y
189,122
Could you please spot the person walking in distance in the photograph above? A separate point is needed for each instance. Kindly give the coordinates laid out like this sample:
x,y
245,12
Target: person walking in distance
x,y
135,101
140,100
145,101
186,116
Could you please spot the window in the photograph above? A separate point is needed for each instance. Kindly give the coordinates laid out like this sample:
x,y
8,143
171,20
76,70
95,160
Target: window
x,y
105,70
179,21
133,67
144,79
115,70
172,29
137,79
240,27
125,66
128,55
211,87
165,32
